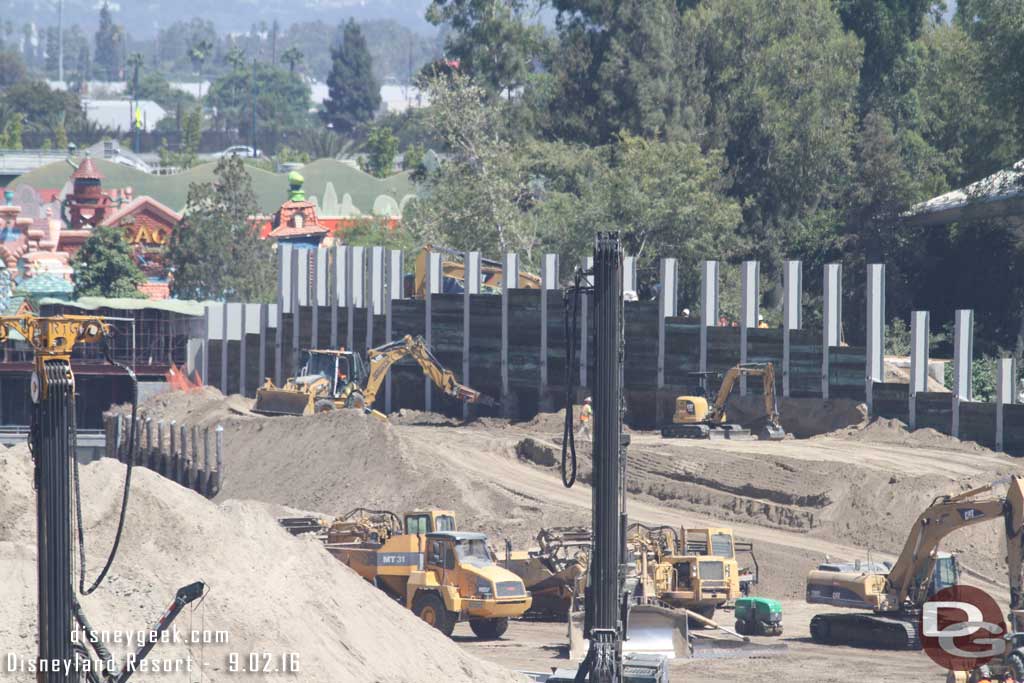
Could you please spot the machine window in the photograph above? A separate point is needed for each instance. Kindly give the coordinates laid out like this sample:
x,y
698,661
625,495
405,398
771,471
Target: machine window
x,y
721,545
473,552
445,523
418,524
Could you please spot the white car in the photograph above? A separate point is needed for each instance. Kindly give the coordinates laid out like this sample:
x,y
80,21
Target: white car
x,y
238,151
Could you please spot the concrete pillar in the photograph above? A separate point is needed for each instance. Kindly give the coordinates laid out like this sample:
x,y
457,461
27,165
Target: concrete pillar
x,y
320,293
668,277
1006,388
963,371
395,290
629,275
832,319
300,298
207,336
548,283
792,315
242,359
226,323
432,286
339,291
918,360
588,281
375,300
314,300
353,290
510,280
471,286
708,307
284,304
875,362
264,323
749,300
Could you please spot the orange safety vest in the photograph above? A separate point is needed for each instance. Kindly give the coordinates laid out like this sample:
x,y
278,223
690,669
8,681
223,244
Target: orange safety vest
x,y
585,413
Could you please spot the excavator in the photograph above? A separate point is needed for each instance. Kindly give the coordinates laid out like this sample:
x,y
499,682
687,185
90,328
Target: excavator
x,y
342,379
896,597
453,274
694,418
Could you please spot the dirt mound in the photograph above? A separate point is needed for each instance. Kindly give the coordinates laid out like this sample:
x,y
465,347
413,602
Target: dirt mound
x,y
894,432
801,417
269,592
205,407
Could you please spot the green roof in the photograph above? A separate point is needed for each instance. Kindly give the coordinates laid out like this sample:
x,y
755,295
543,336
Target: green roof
x,y
271,188
45,283
91,303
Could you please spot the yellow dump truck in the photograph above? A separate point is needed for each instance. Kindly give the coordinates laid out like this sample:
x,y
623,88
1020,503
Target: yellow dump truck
x,y
443,575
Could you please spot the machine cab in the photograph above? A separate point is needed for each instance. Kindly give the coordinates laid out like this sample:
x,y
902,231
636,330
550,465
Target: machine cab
x,y
945,574
338,367
429,521
690,409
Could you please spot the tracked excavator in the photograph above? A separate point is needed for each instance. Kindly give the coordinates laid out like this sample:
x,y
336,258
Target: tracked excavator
x,y
332,380
695,418
896,597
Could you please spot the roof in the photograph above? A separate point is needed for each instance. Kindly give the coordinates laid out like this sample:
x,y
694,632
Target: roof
x,y
120,114
999,195
87,171
458,535
46,283
270,188
91,303
136,204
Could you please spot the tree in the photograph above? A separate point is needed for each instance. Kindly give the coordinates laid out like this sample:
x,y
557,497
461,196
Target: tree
x,y
12,69
215,251
43,108
353,92
490,38
382,148
10,132
293,58
105,265
198,52
108,46
281,101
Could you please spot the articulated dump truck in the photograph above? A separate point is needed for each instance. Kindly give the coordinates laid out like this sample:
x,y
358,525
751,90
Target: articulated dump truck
x,y
421,560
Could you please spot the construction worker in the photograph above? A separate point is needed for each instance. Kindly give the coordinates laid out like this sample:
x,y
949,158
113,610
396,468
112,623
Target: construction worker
x,y
761,324
586,415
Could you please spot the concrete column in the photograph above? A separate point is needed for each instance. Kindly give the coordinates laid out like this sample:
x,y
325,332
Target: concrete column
x,y
792,314
471,286
284,303
629,275
510,280
226,323
208,329
832,319
918,360
749,301
315,273
241,347
264,323
395,289
963,371
432,286
549,283
375,302
588,264
708,307
875,370
668,277
353,290
300,297
339,291
1006,388
321,293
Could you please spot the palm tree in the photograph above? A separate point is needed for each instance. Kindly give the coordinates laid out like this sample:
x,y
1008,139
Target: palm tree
x,y
135,62
198,53
293,58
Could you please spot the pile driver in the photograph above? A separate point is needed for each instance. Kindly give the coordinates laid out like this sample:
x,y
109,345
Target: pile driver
x,y
52,444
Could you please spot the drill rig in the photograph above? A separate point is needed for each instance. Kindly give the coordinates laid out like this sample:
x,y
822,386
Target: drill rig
x,y
52,444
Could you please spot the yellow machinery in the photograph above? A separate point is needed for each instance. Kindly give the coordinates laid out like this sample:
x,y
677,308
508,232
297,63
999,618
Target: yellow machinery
x,y
895,597
453,274
341,379
695,418
423,561
551,569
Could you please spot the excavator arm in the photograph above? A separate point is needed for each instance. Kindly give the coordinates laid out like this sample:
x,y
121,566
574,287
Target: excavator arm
x,y
383,357
767,373
909,576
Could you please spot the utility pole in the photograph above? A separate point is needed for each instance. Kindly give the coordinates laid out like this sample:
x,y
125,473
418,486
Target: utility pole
x,y
252,94
60,41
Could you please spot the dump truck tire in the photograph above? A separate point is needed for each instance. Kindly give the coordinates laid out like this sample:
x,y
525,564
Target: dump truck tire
x,y
430,608
489,629
324,405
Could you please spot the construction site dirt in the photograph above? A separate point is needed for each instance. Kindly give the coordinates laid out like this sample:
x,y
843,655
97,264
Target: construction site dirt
x,y
850,494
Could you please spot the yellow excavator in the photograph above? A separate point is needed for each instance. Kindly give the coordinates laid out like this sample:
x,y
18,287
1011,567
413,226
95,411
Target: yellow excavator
x,y
695,418
896,597
332,380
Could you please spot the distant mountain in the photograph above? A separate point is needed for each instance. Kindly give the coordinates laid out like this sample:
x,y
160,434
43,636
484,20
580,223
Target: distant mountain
x,y
144,17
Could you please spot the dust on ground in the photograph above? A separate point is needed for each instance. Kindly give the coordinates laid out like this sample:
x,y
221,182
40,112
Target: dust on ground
x,y
269,592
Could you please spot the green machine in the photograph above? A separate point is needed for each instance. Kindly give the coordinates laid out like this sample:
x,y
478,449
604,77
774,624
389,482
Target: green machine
x,y
758,617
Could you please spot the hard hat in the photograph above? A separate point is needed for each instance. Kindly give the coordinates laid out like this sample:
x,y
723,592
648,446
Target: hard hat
x,y
760,318
686,311
587,400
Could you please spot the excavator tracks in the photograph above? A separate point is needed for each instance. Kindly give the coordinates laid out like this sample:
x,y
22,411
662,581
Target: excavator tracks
x,y
867,631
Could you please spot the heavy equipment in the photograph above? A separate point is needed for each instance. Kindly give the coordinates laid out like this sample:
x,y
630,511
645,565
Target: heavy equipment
x,y
453,274
62,658
342,379
896,597
695,418
421,560
758,616
550,569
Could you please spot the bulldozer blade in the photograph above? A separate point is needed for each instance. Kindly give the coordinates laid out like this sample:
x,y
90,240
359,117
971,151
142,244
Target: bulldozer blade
x,y
656,630
730,433
703,647
281,402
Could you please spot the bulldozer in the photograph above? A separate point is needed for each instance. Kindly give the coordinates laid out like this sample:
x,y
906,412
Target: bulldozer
x,y
695,418
333,380
895,597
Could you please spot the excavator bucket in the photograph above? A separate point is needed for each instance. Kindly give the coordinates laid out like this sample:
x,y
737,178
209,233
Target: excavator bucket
x,y
652,630
282,402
